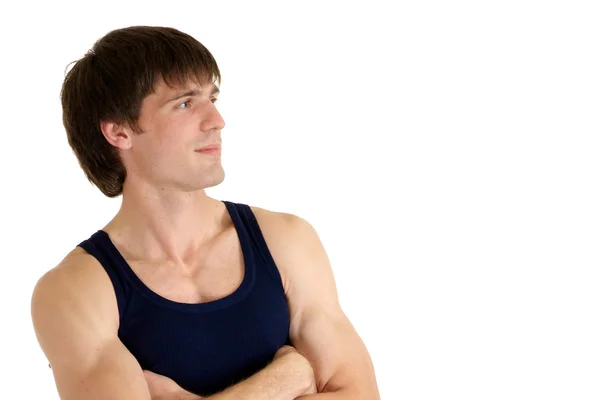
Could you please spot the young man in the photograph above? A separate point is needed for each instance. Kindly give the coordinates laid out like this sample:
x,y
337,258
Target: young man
x,y
182,296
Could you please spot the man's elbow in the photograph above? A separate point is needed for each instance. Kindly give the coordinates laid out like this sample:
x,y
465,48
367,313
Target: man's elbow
x,y
357,389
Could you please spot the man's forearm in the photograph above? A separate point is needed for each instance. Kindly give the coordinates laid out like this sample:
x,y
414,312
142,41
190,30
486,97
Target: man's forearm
x,y
283,379
278,381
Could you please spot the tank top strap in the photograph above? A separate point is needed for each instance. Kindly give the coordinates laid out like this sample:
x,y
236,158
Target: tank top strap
x,y
98,247
245,216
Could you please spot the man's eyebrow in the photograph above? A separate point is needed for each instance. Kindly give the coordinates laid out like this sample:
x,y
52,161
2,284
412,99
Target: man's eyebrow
x,y
192,92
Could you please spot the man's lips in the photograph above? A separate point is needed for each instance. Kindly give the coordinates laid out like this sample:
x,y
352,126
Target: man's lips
x,y
214,149
214,146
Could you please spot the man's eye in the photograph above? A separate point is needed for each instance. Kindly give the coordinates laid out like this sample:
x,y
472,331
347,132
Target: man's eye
x,y
185,104
214,100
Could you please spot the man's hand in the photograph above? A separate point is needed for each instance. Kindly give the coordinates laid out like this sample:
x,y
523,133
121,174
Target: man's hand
x,y
164,388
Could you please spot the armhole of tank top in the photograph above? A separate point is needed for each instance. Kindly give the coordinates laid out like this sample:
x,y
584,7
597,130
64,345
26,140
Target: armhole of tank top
x,y
117,283
263,248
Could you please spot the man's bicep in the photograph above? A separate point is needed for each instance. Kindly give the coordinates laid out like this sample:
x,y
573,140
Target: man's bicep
x,y
79,339
318,325
320,330
115,374
324,338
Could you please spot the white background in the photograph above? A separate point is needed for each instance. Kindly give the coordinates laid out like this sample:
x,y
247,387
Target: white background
x,y
446,152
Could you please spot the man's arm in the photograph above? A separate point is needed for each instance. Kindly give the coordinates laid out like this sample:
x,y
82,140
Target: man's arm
x,y
319,328
288,377
75,319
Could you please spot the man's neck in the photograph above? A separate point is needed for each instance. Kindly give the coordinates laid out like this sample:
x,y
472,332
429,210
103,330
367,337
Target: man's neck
x,y
166,228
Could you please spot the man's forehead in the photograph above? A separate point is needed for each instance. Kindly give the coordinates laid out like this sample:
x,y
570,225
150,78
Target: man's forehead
x,y
162,88
164,93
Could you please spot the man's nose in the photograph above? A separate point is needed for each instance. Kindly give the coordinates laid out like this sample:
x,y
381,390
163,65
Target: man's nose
x,y
212,120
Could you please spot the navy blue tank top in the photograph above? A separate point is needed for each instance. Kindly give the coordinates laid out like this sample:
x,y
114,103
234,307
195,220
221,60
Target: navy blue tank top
x,y
204,347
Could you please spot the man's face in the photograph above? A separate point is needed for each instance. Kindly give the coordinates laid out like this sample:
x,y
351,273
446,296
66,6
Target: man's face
x,y
176,123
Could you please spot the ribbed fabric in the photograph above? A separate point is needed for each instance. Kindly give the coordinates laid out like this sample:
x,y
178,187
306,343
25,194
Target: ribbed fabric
x,y
209,346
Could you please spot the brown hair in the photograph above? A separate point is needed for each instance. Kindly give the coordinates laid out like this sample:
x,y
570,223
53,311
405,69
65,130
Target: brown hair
x,y
109,84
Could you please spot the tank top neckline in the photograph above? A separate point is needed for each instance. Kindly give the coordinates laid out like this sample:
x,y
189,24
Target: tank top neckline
x,y
229,300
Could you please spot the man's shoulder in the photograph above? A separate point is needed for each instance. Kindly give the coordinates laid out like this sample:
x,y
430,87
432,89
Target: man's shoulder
x,y
274,227
286,235
78,277
76,265
277,219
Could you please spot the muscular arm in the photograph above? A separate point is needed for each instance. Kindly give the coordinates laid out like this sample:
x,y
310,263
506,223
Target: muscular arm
x,y
75,319
319,329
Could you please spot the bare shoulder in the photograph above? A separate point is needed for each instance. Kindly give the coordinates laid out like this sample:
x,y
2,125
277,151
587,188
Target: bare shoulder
x,y
80,275
284,234
78,272
77,260
276,220
75,291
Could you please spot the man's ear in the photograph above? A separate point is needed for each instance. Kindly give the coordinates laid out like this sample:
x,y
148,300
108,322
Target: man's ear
x,y
119,135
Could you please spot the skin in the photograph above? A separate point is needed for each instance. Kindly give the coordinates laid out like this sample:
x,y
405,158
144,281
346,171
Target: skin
x,y
201,261
166,178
